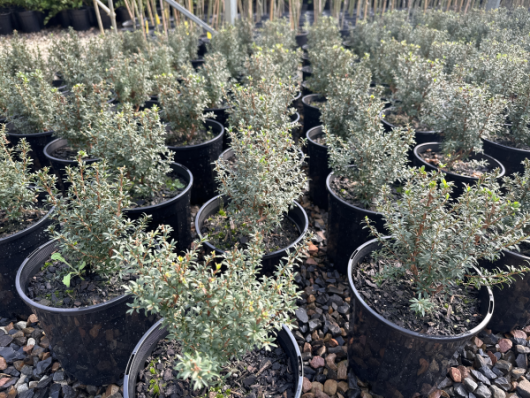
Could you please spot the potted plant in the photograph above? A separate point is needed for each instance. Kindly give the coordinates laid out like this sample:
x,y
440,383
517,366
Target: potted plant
x,y
427,267
258,189
79,15
24,219
463,113
227,42
31,17
326,62
218,83
343,92
195,140
130,77
414,78
30,112
184,41
74,283
76,120
276,32
363,158
511,304
206,331
158,187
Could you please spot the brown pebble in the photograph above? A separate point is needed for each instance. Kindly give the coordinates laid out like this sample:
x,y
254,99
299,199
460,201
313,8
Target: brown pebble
x,y
56,366
313,249
519,334
33,318
307,347
454,374
492,357
46,355
3,364
479,343
464,372
333,343
306,386
317,362
505,345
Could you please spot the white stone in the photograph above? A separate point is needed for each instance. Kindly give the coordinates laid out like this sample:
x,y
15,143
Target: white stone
x,y
21,388
21,381
31,341
33,384
21,325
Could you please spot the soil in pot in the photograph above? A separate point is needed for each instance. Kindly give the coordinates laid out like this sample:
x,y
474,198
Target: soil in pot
x,y
391,300
223,234
47,287
66,153
259,372
10,227
174,186
200,137
467,168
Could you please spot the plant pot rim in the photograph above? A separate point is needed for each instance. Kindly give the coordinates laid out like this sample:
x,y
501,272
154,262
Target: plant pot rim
x,y
27,230
408,332
302,32
62,311
522,151
158,326
41,134
331,177
384,121
306,98
314,130
222,108
266,255
297,96
64,161
206,143
169,201
417,149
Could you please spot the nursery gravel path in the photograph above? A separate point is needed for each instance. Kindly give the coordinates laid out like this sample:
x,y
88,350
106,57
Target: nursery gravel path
x,y
490,366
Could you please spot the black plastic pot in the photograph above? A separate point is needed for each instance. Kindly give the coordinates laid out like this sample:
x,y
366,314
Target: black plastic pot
x,y
458,179
305,90
421,137
296,128
15,248
197,63
512,302
305,60
270,260
296,100
301,38
395,361
511,158
307,71
174,212
318,168
80,18
30,21
65,19
58,165
105,19
346,227
199,159
92,343
122,14
6,24
312,113
203,47
221,116
147,344
37,142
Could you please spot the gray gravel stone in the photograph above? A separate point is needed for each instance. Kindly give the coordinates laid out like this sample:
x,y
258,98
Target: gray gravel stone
x,y
469,384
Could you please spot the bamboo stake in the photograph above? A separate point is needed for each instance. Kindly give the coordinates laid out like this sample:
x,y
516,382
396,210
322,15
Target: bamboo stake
x,y
164,22
98,16
175,15
141,19
130,11
365,13
392,9
149,12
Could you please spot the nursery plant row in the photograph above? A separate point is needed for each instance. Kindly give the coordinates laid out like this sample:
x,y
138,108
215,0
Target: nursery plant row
x,y
414,129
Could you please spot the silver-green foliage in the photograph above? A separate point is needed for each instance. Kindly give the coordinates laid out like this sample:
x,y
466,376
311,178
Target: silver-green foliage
x,y
414,78
184,41
384,60
286,60
437,241
92,224
130,79
452,54
463,113
264,180
367,155
327,62
217,79
183,104
345,95
215,315
277,32
227,42
517,187
78,114
265,101
324,33
16,193
16,56
135,142
31,107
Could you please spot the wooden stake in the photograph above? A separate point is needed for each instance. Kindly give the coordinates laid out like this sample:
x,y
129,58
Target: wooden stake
x,y
150,13
98,16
